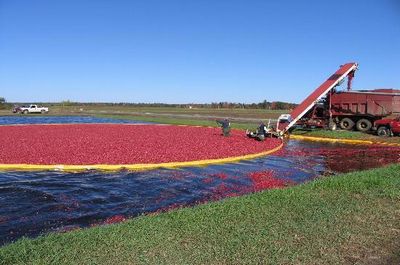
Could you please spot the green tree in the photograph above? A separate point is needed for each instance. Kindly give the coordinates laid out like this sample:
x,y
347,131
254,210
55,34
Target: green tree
x,y
264,104
3,103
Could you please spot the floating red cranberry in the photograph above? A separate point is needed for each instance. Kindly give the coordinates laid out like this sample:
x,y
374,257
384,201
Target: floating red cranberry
x,y
88,144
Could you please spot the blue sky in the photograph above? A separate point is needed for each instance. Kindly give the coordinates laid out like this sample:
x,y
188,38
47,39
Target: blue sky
x,y
182,51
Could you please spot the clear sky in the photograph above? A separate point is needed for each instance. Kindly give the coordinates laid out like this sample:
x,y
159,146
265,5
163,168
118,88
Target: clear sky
x,y
183,51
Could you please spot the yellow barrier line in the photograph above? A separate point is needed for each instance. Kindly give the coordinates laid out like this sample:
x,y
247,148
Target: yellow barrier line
x,y
335,140
134,167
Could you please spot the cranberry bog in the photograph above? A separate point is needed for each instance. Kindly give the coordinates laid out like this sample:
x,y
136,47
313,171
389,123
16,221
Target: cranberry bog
x,y
39,202
124,146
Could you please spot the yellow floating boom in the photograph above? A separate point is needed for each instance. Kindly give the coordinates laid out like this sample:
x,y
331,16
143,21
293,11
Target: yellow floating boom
x,y
133,167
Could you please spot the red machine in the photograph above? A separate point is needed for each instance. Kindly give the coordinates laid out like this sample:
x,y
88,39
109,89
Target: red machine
x,y
328,107
387,127
363,108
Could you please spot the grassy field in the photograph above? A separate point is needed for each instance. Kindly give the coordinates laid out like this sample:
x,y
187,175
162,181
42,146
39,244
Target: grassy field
x,y
241,118
251,114
347,219
183,121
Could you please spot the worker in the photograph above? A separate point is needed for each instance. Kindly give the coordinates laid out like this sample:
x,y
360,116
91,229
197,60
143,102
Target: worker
x,y
259,134
225,126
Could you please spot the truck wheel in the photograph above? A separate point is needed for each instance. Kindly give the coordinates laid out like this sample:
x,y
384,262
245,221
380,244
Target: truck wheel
x,y
43,111
363,125
25,112
346,124
383,131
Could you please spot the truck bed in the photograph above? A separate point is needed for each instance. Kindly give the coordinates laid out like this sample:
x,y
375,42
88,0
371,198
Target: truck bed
x,y
378,103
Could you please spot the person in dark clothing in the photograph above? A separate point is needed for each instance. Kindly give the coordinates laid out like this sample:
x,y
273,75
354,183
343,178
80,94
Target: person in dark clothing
x,y
226,126
259,134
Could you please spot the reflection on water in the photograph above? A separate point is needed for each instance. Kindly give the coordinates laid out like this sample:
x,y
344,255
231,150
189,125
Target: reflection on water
x,y
34,203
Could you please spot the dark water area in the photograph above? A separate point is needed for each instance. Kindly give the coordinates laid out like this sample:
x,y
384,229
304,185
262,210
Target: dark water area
x,y
44,119
36,203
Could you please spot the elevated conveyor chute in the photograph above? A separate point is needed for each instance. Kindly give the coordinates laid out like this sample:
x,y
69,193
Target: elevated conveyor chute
x,y
344,70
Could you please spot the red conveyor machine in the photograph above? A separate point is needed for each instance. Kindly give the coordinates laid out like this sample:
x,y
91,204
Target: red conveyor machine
x,y
286,121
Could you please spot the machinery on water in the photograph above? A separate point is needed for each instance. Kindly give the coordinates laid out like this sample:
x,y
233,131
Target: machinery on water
x,y
327,107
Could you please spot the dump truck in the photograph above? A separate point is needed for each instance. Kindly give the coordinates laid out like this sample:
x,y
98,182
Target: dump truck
x,y
329,107
353,109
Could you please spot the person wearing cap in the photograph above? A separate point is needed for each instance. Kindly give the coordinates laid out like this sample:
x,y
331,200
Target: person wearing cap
x,y
225,126
260,133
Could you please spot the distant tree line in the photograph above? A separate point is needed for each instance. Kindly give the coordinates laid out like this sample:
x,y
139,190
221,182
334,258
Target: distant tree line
x,y
274,105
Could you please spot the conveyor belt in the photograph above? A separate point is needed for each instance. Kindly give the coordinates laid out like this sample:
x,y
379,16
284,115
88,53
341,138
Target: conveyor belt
x,y
320,92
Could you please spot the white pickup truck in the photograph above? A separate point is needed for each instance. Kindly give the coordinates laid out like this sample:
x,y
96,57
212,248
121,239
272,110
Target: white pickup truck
x,y
33,109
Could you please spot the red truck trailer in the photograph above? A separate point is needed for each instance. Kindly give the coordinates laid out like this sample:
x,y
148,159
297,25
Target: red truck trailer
x,y
351,109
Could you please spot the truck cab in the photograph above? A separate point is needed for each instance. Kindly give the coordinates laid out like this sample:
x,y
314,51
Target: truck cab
x,y
388,127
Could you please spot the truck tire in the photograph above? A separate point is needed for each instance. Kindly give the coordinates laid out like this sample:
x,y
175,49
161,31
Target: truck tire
x,y
383,131
363,125
43,111
25,112
346,124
